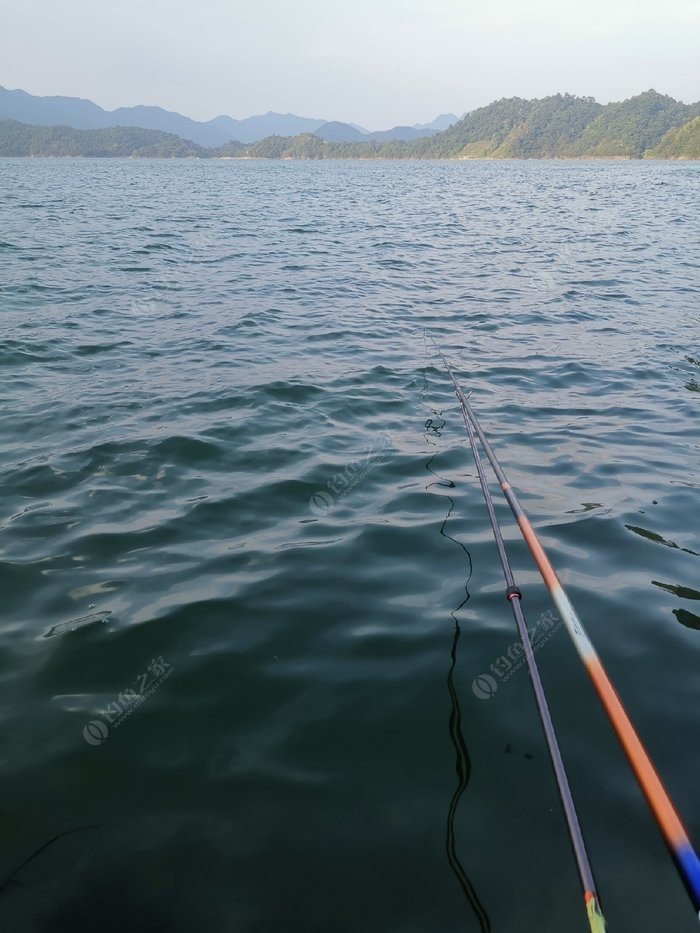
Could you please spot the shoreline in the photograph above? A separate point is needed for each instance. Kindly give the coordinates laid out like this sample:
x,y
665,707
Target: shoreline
x,y
411,159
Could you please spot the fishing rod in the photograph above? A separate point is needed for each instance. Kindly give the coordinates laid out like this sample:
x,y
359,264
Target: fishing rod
x,y
514,596
668,821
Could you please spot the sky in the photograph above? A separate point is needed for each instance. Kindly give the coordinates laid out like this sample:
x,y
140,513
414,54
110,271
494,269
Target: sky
x,y
376,63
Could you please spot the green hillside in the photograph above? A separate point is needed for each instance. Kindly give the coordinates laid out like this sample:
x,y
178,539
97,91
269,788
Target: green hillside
x,y
518,129
649,125
683,142
560,126
19,139
631,127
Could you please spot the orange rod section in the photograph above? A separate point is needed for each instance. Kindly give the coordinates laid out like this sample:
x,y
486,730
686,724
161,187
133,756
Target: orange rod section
x,y
649,781
638,758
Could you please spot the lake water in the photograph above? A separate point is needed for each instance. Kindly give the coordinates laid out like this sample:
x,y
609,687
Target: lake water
x,y
248,578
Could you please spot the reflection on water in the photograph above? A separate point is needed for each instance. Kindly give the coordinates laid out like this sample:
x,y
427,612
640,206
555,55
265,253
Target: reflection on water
x,y
658,539
585,507
75,624
684,616
689,619
685,592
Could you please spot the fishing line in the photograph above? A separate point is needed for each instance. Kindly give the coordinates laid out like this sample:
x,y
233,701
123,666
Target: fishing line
x,y
66,832
433,428
514,597
668,821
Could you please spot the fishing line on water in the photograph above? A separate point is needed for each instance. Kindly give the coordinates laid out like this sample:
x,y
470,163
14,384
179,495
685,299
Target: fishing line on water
x,y
434,427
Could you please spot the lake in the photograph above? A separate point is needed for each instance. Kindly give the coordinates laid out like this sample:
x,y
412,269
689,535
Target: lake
x,y
249,581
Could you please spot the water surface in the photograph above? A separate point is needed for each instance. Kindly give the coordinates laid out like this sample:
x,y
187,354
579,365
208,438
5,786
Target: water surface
x,y
234,482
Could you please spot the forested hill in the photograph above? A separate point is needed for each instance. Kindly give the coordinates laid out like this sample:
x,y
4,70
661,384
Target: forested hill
x,y
20,139
682,142
650,125
561,126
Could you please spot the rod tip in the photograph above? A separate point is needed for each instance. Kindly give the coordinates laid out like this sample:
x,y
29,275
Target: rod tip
x,y
595,917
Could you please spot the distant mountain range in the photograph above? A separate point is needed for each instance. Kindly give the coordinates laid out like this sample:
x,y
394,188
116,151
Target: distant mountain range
x,y
85,115
650,125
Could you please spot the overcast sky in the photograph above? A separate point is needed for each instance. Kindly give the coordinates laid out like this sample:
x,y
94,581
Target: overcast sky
x,y
373,62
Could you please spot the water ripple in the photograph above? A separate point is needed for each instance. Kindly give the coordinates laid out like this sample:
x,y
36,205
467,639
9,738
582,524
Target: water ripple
x,y
217,412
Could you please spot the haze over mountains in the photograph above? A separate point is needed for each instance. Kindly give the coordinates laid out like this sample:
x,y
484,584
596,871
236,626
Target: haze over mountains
x,y
649,125
86,115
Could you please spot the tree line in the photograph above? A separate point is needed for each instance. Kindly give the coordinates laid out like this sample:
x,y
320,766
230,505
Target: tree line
x,y
650,125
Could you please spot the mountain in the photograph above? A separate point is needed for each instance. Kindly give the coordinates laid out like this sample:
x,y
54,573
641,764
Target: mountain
x,y
155,118
268,124
84,114
334,132
649,125
559,126
71,111
440,122
519,129
405,133
682,142
631,127
19,139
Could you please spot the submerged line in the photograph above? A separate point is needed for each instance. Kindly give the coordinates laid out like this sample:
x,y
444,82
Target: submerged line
x,y
433,429
42,848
